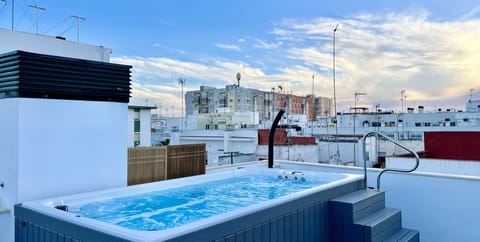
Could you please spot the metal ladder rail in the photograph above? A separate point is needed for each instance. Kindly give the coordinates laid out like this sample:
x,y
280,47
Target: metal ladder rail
x,y
376,133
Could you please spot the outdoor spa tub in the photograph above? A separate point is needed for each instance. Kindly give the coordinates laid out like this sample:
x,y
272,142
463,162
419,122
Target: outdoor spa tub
x,y
238,203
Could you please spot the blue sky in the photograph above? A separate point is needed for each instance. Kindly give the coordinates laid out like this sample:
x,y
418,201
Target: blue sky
x,y
429,48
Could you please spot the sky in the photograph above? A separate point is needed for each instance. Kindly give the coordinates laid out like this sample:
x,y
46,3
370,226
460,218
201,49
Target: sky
x,y
430,48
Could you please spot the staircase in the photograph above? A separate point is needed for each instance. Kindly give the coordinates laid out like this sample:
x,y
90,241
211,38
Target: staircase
x,y
362,216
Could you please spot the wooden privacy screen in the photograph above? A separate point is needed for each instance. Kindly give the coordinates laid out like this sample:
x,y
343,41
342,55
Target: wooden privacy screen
x,y
149,164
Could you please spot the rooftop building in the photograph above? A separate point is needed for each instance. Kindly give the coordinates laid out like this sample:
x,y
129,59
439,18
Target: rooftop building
x,y
63,119
214,108
139,123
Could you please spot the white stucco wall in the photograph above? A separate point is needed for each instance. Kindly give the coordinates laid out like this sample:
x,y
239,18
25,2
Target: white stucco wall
x,y
56,147
145,127
302,153
459,167
219,141
14,40
8,164
441,207
328,150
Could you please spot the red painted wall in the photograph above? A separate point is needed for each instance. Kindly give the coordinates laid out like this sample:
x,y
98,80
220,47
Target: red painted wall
x,y
281,138
302,140
452,145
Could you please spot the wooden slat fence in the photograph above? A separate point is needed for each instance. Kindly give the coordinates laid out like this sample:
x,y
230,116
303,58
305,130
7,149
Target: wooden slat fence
x,y
186,160
149,164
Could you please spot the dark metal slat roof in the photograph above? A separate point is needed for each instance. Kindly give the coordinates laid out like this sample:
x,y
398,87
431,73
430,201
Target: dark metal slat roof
x,y
25,74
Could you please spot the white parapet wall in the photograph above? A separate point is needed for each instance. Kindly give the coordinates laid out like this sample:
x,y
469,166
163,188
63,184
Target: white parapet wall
x,y
444,166
219,142
42,44
303,153
58,147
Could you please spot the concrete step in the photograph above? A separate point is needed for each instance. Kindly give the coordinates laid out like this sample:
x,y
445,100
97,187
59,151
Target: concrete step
x,y
404,235
353,207
359,204
379,225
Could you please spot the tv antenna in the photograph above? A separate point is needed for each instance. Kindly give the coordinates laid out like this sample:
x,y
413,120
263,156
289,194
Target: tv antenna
x,y
78,26
181,82
403,98
38,8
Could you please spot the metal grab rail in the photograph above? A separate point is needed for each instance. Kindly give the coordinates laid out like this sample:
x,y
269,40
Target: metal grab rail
x,y
376,133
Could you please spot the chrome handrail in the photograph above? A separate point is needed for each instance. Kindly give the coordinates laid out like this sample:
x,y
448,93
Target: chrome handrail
x,y
376,133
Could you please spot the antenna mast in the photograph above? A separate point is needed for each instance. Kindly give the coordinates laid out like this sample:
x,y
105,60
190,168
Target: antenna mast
x,y
13,12
238,76
403,99
37,8
181,82
78,26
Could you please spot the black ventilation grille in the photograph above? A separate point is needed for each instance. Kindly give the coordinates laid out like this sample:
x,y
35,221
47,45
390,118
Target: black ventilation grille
x,y
25,74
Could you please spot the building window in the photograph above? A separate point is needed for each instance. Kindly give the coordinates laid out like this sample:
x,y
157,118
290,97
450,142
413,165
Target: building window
x,y
136,127
136,139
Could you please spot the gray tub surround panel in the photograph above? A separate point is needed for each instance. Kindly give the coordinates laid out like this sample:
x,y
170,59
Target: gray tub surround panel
x,y
362,217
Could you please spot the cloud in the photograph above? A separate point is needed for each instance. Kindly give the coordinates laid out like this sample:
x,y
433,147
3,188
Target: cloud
x,y
473,13
157,78
436,62
227,46
264,45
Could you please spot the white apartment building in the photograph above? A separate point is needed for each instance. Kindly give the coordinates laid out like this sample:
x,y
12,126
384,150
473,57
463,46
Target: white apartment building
x,y
139,124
